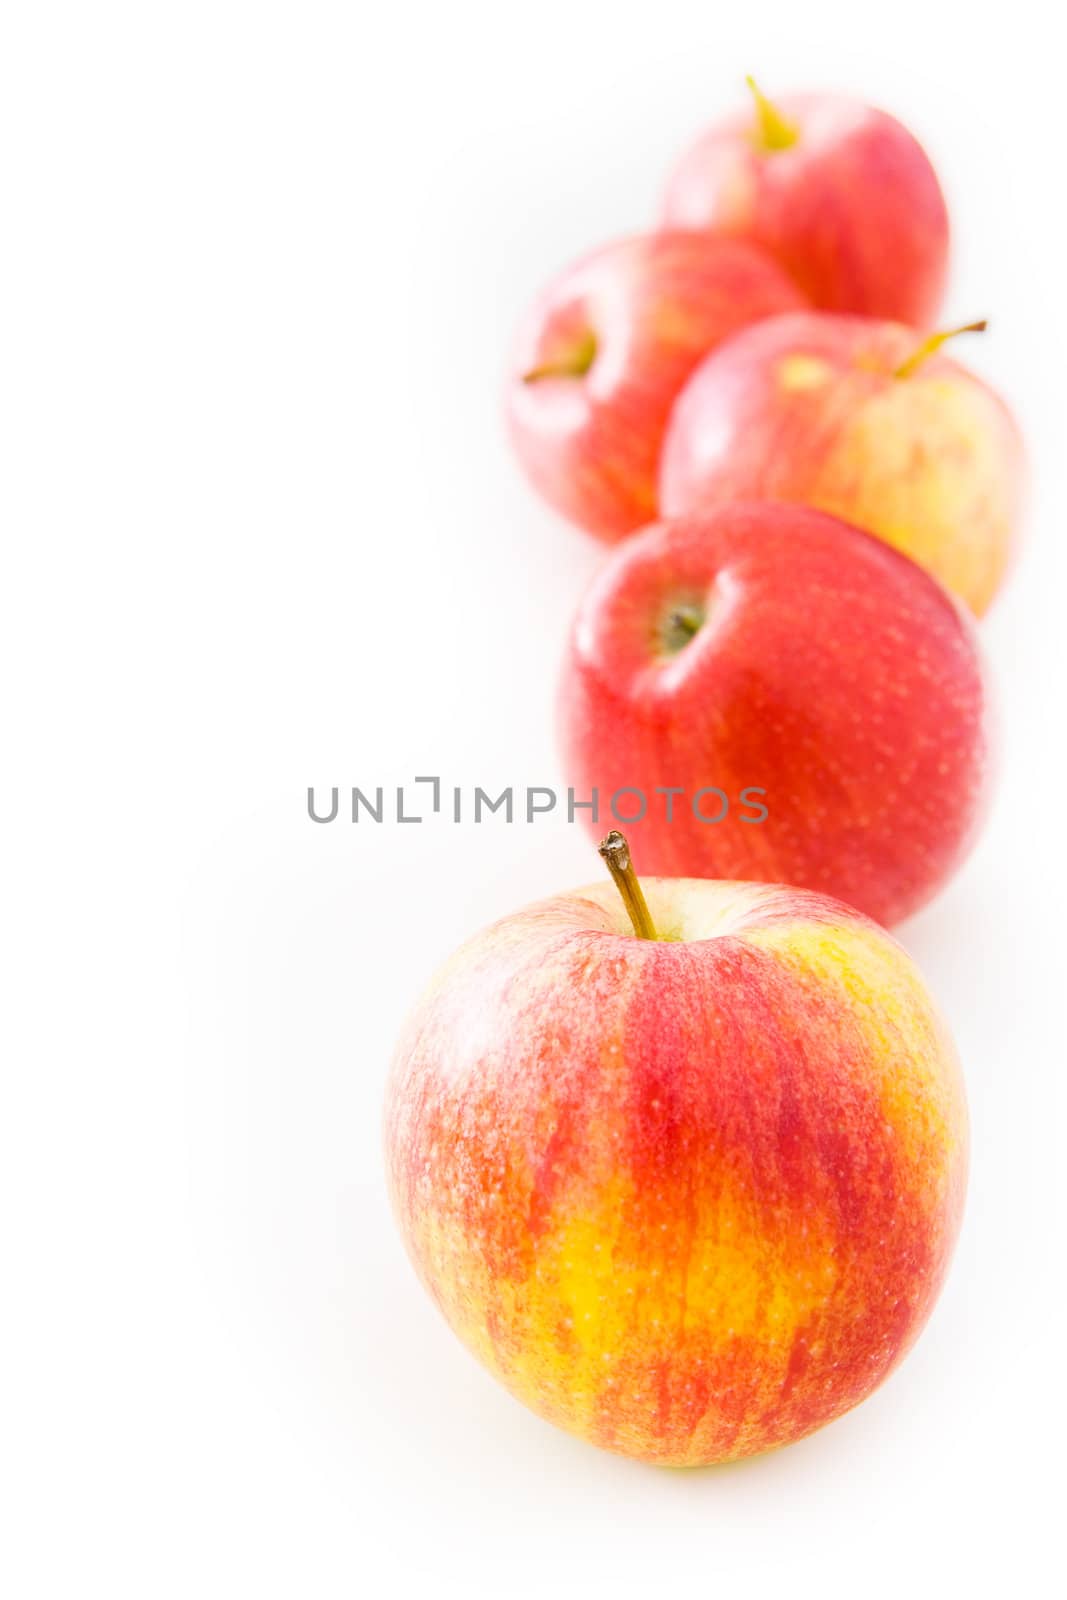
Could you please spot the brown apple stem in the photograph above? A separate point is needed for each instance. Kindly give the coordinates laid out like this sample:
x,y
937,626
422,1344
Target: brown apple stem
x,y
616,852
934,342
774,132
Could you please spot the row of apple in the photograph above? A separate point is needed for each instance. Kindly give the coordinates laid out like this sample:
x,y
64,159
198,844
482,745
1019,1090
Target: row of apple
x,y
767,346
684,1165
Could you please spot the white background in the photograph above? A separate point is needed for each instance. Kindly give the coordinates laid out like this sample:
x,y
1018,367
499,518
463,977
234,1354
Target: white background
x,y
261,264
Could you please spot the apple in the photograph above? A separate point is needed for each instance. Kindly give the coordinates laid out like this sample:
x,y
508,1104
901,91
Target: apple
x,y
686,1181
770,658
867,420
840,193
606,350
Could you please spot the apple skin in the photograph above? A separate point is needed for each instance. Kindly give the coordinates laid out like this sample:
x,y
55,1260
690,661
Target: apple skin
x,y
853,209
830,672
806,408
688,1198
655,306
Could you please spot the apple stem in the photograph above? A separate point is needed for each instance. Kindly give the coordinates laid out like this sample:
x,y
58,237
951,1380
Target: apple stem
x,y
774,132
616,853
684,624
934,342
575,364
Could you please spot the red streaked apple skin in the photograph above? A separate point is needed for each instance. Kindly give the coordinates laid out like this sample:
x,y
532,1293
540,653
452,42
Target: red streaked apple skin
x,y
806,408
831,672
689,1199
655,306
853,209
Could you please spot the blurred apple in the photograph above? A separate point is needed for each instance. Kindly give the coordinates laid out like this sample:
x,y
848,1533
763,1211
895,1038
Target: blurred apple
x,y
773,648
606,350
866,420
685,1176
840,193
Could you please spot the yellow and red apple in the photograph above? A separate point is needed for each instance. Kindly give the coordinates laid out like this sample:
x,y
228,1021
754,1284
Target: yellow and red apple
x,y
604,353
774,648
840,193
865,419
689,1195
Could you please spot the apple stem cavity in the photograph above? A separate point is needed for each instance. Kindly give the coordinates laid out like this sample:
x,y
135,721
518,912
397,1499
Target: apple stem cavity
x,y
934,343
616,853
773,131
575,363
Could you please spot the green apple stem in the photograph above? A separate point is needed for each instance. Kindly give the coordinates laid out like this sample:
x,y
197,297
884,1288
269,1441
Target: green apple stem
x,y
682,625
616,853
773,131
575,363
934,342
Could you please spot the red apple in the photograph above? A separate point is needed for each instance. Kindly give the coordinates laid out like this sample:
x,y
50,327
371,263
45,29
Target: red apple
x,y
864,419
840,193
605,352
689,1194
770,658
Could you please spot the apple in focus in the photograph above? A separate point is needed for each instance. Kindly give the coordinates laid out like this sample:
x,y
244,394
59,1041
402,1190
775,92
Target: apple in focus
x,y
842,194
606,350
868,420
688,1195
773,648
